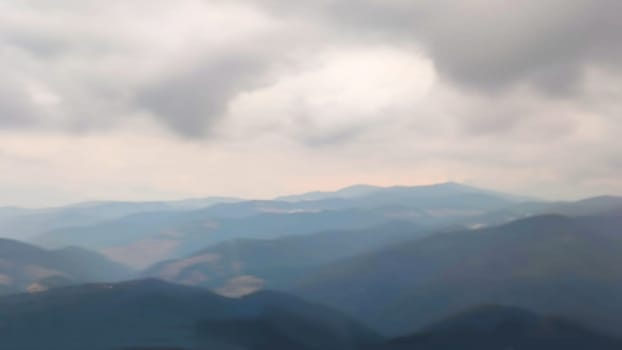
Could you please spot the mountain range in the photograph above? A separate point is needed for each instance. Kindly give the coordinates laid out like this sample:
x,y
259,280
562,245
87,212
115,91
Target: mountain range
x,y
155,315
554,264
361,268
173,234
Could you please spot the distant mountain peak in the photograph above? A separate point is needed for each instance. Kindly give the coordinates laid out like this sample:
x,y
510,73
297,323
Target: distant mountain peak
x,y
361,190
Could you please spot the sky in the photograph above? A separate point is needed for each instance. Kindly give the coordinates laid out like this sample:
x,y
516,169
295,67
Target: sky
x,y
160,99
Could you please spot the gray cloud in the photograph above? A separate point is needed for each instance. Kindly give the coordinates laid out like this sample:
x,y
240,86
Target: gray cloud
x,y
16,109
36,43
105,63
193,100
548,44
489,45
490,48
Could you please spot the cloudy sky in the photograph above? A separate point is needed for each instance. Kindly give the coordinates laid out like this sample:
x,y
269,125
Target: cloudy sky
x,y
159,99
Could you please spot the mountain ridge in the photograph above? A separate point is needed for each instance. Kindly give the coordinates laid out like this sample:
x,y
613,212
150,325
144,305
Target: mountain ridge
x,y
493,327
560,265
150,313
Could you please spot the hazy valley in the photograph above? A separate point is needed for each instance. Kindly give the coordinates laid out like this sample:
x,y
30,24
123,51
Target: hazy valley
x,y
390,264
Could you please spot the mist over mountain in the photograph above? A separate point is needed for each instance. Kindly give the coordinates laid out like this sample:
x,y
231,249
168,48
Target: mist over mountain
x,y
24,224
396,267
171,234
243,265
167,235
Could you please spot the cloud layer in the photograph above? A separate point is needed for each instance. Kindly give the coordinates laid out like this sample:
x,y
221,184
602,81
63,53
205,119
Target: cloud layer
x,y
188,99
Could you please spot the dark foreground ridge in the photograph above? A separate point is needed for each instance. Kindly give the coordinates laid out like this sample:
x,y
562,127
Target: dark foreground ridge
x,y
154,314
494,327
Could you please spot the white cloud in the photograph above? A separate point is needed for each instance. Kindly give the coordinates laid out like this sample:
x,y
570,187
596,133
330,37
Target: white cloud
x,y
340,93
